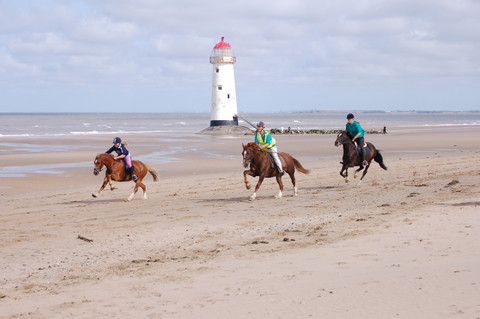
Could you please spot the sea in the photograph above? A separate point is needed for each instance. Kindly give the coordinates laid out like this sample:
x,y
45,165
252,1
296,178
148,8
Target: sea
x,y
108,124
21,132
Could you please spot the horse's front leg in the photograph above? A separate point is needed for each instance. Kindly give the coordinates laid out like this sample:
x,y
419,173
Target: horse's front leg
x,y
111,184
105,182
344,175
280,184
260,180
245,173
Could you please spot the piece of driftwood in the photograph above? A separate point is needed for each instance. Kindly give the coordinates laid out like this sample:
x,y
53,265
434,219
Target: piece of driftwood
x,y
84,238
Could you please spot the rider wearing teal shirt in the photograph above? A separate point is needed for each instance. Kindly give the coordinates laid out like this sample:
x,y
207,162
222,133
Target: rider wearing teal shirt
x,y
357,133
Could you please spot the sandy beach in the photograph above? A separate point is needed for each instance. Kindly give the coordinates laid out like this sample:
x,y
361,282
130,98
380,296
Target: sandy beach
x,y
403,244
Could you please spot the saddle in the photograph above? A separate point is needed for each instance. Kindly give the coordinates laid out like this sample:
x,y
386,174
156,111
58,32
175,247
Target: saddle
x,y
272,161
366,150
127,170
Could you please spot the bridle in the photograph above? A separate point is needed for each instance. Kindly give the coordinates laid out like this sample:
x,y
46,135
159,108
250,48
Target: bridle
x,y
246,161
97,170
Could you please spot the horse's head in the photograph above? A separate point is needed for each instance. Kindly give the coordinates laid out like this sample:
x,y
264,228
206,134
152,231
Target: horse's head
x,y
249,152
342,138
98,163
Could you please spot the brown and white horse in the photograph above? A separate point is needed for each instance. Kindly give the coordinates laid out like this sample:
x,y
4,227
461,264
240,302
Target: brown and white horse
x,y
116,172
260,165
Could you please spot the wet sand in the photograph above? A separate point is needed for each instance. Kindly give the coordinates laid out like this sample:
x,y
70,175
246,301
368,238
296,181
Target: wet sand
x,y
403,244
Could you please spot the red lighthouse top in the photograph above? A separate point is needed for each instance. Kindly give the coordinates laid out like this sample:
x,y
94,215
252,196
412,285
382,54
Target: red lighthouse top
x,y
222,45
222,53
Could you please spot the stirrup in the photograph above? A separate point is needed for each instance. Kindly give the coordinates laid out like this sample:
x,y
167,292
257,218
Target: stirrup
x,y
282,172
364,163
134,177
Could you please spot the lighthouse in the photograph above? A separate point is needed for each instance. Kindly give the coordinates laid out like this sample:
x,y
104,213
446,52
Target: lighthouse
x,y
224,97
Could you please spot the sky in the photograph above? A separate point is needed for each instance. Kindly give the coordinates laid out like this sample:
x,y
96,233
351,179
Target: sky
x,y
292,55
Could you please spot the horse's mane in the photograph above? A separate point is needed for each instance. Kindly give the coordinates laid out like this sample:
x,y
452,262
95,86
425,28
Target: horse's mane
x,y
253,145
99,154
348,134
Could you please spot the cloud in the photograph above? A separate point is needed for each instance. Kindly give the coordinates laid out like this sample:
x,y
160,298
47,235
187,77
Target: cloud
x,y
103,29
279,44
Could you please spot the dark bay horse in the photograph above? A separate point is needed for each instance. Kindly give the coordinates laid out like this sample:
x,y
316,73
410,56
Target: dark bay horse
x,y
260,165
116,172
351,158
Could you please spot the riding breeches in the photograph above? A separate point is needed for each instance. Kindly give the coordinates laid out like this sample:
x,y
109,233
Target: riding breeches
x,y
128,160
274,153
360,141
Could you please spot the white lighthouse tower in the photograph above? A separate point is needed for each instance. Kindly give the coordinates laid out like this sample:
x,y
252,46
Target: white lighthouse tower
x,y
224,97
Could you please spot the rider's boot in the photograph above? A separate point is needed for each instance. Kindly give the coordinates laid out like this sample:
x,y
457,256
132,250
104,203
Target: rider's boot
x,y
132,172
362,154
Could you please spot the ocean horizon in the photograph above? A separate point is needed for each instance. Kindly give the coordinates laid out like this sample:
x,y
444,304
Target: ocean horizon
x,y
63,123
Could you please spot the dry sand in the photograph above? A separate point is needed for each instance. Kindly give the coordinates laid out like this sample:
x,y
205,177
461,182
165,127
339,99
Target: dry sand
x,y
404,244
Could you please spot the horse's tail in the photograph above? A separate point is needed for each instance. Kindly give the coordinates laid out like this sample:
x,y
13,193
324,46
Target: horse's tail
x,y
379,159
299,166
153,172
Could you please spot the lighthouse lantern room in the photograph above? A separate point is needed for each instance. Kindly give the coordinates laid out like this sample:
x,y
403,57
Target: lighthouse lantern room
x,y
224,98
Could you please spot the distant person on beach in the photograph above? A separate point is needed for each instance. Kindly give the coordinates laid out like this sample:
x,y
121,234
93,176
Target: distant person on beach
x,y
122,153
358,133
268,143
384,130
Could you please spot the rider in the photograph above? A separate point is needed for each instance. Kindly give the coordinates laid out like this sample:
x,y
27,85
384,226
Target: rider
x,y
268,143
355,130
123,153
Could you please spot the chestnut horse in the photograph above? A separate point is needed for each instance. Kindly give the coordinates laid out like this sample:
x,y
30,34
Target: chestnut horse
x,y
116,172
261,165
351,158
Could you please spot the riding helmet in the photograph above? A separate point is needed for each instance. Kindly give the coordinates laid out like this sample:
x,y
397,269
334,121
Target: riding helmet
x,y
117,140
261,124
350,116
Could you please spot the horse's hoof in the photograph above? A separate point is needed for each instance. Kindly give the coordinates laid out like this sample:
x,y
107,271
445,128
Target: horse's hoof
x,y
94,195
113,188
346,180
248,186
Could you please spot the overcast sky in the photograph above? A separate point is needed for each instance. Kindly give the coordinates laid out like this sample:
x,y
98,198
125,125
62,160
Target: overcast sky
x,y
153,55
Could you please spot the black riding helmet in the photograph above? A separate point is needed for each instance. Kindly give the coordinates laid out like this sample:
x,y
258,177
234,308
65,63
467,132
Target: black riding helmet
x,y
350,116
117,140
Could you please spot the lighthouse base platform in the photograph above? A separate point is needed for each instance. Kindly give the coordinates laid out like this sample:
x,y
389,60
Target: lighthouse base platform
x,y
227,130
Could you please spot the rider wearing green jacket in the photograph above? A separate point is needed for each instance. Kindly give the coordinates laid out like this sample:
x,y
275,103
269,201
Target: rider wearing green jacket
x,y
268,143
